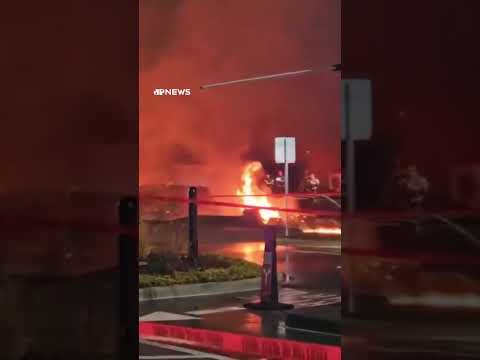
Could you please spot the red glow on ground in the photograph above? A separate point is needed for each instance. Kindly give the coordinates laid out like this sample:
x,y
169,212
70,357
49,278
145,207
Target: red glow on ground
x,y
239,343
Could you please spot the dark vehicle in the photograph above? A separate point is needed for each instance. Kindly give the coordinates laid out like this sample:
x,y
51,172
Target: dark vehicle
x,y
432,262
309,223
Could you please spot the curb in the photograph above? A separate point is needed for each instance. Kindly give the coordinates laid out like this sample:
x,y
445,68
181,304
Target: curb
x,y
203,289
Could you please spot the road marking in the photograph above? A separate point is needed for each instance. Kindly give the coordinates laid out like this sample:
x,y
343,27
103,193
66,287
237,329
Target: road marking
x,y
217,310
283,327
166,316
195,353
438,300
153,357
284,294
299,298
302,299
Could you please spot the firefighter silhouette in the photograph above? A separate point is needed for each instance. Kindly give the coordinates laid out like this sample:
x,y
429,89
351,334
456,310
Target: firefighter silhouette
x,y
269,182
312,183
280,182
409,188
415,187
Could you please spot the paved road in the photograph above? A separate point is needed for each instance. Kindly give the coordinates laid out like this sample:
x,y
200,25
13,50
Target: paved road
x,y
216,318
313,262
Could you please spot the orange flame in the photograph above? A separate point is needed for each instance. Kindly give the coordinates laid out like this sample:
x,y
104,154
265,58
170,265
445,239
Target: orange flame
x,y
323,231
249,187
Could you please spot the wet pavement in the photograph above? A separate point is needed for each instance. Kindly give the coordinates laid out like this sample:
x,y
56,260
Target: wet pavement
x,y
311,261
221,323
227,313
313,266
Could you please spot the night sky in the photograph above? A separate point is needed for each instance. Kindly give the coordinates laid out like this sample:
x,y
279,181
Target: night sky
x,y
423,61
190,43
69,96
63,98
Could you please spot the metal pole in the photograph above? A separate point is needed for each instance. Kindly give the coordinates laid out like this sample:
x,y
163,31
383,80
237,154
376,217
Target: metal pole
x,y
287,257
256,78
192,227
350,176
269,282
128,279
286,186
350,154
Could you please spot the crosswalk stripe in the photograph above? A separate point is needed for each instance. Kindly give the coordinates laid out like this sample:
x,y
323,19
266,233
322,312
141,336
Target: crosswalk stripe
x,y
217,310
298,298
158,357
166,316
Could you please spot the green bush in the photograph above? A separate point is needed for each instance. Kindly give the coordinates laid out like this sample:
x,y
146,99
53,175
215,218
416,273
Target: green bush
x,y
166,270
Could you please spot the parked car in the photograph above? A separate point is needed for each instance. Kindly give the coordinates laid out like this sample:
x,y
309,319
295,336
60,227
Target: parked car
x,y
431,263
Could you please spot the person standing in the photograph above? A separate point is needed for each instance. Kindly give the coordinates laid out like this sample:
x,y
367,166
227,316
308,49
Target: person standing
x,y
313,183
269,182
280,182
416,187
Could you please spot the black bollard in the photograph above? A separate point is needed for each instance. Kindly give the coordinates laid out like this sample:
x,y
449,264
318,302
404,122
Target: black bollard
x,y
192,227
269,286
128,279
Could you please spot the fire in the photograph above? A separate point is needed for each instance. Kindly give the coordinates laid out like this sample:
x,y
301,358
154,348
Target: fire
x,y
249,187
324,231
252,252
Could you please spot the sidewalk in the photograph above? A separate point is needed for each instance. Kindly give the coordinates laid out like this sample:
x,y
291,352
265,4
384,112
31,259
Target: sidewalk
x,y
223,324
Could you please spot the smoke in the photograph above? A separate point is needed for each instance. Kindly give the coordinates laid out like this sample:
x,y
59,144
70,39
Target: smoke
x,y
204,138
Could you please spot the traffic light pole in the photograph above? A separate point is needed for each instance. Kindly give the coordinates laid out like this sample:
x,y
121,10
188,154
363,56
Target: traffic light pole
x,y
350,175
192,227
350,154
286,186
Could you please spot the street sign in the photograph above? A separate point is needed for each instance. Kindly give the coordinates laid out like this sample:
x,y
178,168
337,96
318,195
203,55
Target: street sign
x,y
285,154
285,150
356,109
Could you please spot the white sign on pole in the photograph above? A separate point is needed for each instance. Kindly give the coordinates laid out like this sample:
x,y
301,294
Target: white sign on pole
x,y
357,109
285,150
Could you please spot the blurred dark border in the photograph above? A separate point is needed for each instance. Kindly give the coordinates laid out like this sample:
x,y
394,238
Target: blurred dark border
x,y
423,64
69,154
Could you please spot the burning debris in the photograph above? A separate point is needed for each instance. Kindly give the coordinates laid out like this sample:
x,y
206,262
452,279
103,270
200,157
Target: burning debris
x,y
250,191
324,231
253,195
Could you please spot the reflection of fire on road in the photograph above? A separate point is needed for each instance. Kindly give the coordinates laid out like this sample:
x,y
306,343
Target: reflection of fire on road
x,y
310,225
252,252
323,231
249,188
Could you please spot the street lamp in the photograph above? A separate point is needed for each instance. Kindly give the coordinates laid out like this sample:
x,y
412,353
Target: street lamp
x,y
335,67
